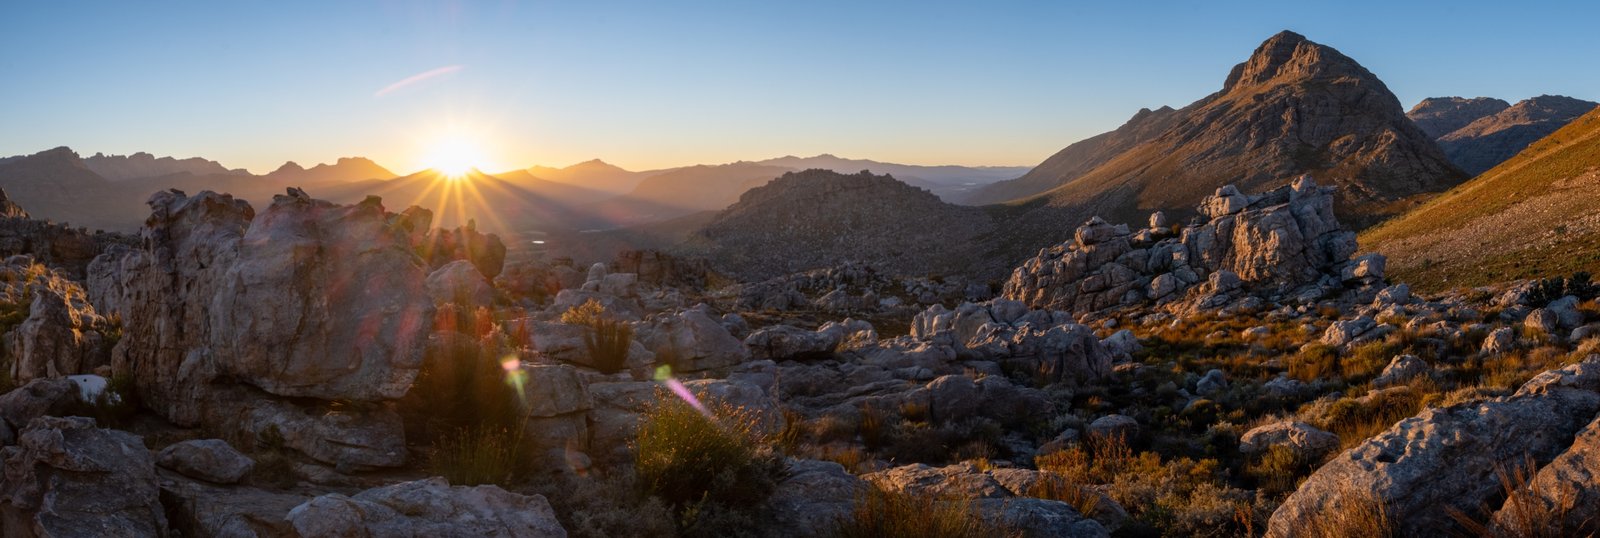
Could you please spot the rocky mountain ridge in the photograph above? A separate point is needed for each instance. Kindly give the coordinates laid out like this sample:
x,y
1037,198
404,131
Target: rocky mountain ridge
x,y
819,218
1491,138
1294,107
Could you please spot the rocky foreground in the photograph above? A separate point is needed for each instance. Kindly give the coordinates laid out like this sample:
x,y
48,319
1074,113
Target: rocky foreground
x,y
315,369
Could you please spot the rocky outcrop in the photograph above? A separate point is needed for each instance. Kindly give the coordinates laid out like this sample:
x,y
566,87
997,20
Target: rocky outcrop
x,y
439,247
66,477
228,314
812,496
1283,245
56,245
1448,458
852,287
428,507
62,335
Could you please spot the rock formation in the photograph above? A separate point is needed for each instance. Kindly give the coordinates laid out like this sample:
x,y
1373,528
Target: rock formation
x,y
428,508
1447,458
228,313
1281,245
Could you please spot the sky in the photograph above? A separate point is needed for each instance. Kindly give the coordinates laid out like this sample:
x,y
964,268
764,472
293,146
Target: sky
x,y
648,85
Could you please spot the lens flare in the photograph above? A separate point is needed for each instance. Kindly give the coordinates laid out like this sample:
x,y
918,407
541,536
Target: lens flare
x,y
664,376
515,376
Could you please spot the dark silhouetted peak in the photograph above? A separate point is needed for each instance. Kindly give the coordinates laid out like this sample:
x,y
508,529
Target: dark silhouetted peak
x,y
289,166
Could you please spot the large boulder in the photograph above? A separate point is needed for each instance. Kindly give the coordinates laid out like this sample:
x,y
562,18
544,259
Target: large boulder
x,y
66,477
199,508
785,342
692,340
40,397
812,496
429,507
1448,458
1305,441
233,320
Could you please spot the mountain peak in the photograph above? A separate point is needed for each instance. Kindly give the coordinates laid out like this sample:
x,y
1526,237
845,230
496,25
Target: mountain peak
x,y
289,166
1290,56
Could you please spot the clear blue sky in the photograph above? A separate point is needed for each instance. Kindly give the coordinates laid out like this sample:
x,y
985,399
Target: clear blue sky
x,y
657,84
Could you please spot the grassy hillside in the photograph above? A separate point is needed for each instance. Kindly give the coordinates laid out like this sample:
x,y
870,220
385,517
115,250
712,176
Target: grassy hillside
x,y
1533,215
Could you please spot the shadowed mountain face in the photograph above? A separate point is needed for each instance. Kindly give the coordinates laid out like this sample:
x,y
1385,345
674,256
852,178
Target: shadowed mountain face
x,y
1477,134
56,185
1532,215
819,218
1293,107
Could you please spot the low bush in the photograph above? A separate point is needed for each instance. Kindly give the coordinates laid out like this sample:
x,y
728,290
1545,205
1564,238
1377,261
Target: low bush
x,y
704,465
476,456
606,339
882,514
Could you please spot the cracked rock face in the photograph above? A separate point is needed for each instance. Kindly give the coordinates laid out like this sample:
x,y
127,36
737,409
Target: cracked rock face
x,y
67,477
227,313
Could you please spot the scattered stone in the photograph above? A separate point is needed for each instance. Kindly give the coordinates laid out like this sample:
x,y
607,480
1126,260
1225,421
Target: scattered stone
x,y
212,460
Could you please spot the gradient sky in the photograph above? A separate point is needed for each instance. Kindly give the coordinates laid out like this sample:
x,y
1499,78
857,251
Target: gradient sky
x,y
657,84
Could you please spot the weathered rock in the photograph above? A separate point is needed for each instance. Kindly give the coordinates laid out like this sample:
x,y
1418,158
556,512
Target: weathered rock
x,y
1447,458
1560,496
1400,370
428,507
62,336
38,398
784,342
1500,340
1308,443
1346,332
813,495
1542,321
960,481
226,311
460,283
1213,382
1040,518
198,508
213,460
693,339
66,477
1115,426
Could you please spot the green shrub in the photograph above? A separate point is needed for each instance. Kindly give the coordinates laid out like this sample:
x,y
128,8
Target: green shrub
x,y
700,465
465,412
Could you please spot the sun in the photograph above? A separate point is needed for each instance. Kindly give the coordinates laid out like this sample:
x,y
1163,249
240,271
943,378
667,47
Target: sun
x,y
454,156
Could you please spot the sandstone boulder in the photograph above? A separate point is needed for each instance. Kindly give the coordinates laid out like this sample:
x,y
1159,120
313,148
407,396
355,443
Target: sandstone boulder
x,y
460,283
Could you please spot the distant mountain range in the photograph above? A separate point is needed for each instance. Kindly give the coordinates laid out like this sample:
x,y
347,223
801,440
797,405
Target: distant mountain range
x,y
1479,133
109,191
